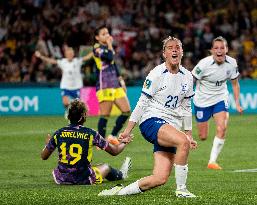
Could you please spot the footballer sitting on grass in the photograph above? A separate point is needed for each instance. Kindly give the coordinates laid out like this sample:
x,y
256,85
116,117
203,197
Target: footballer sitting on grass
x,y
75,145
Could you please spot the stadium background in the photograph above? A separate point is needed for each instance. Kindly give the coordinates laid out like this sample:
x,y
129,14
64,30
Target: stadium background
x,y
138,28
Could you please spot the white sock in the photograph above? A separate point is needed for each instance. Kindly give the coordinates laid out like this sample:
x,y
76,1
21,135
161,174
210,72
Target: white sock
x,y
181,176
216,149
130,189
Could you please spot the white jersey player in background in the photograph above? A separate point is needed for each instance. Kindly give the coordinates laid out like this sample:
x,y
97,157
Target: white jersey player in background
x,y
160,114
211,94
71,81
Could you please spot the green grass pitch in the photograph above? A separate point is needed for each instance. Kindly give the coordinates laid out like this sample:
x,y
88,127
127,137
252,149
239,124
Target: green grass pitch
x,y
26,179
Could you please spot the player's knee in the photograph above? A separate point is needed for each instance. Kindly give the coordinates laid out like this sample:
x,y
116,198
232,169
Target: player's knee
x,y
160,180
221,130
65,101
202,135
106,167
185,144
66,104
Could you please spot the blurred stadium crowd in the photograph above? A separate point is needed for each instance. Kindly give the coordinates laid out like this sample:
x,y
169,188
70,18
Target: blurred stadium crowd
x,y
138,27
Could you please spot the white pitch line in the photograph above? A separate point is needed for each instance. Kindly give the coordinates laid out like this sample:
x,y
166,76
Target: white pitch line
x,y
246,170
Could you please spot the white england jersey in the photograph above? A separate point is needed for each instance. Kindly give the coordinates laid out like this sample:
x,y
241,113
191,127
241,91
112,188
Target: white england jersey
x,y
167,92
71,73
211,84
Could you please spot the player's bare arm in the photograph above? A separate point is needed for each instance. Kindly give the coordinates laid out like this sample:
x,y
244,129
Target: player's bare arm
x,y
135,116
116,149
44,58
45,154
236,91
88,56
122,83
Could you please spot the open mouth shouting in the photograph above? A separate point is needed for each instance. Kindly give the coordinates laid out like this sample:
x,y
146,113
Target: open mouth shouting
x,y
220,58
175,58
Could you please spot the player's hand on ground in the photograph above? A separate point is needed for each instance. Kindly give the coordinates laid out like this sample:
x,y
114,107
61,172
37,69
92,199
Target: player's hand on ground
x,y
48,137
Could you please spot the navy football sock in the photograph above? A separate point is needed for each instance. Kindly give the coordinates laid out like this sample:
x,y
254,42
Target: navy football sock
x,y
119,123
102,126
114,174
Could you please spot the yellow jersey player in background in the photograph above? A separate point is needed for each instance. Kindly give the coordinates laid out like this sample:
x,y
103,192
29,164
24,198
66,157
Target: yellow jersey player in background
x,y
110,87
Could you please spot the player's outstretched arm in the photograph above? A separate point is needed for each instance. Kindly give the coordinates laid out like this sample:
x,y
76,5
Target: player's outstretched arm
x,y
44,58
127,132
45,154
116,149
88,56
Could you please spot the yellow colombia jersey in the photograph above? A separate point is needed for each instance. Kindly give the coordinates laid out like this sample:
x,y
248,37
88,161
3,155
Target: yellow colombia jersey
x,y
107,71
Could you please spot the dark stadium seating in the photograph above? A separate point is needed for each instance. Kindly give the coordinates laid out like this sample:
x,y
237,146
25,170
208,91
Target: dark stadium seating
x,y
138,27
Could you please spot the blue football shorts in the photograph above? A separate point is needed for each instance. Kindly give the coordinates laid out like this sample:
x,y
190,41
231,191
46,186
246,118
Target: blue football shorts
x,y
149,130
73,94
203,114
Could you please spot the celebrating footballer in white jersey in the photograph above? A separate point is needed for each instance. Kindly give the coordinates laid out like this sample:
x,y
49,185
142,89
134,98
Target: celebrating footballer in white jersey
x,y
166,97
211,94
159,112
211,84
71,81
71,73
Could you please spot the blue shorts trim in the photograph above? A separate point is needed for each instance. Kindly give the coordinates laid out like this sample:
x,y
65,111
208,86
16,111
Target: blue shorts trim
x,y
203,114
149,130
73,94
